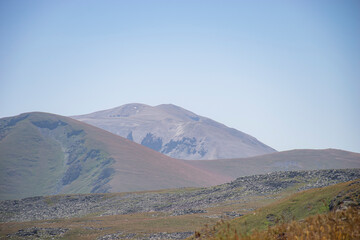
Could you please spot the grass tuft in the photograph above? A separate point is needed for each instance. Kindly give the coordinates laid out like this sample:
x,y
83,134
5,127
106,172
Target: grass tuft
x,y
334,225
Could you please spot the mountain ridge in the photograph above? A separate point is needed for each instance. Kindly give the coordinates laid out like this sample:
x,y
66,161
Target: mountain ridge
x,y
176,132
297,159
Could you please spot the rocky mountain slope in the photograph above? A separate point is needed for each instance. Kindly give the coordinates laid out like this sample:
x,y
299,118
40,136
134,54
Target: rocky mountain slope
x,y
45,154
176,132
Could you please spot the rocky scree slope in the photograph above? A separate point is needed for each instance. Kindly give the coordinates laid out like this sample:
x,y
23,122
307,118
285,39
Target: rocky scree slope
x,y
176,132
173,202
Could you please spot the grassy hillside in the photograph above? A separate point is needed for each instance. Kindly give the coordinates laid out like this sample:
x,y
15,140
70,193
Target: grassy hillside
x,y
42,154
339,225
296,207
334,225
45,154
294,160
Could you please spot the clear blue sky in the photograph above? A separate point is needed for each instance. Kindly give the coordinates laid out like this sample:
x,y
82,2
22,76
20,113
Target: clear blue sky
x,y
286,72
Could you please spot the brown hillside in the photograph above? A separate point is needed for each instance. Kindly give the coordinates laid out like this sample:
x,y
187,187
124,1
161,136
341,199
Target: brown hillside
x,y
303,159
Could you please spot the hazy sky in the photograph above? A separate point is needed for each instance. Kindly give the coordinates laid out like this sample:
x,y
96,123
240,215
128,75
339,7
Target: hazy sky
x,y
286,72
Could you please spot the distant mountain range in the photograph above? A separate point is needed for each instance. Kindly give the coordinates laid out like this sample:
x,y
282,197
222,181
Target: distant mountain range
x,y
176,132
47,154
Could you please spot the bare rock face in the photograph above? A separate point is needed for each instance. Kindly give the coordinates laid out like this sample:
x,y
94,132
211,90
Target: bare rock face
x,y
176,132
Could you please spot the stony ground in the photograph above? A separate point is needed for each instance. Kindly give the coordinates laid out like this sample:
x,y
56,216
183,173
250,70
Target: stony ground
x,y
38,233
176,202
172,202
154,236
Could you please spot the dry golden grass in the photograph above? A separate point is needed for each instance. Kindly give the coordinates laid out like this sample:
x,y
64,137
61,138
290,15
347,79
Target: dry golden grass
x,y
339,225
92,227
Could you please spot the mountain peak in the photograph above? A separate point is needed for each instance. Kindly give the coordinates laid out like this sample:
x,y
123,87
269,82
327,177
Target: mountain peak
x,y
127,110
176,132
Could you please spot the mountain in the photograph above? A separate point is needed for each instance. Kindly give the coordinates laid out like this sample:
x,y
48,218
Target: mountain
x,y
301,159
46,154
176,132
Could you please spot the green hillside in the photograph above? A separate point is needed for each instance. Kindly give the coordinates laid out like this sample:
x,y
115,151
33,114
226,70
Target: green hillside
x,y
296,207
43,154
